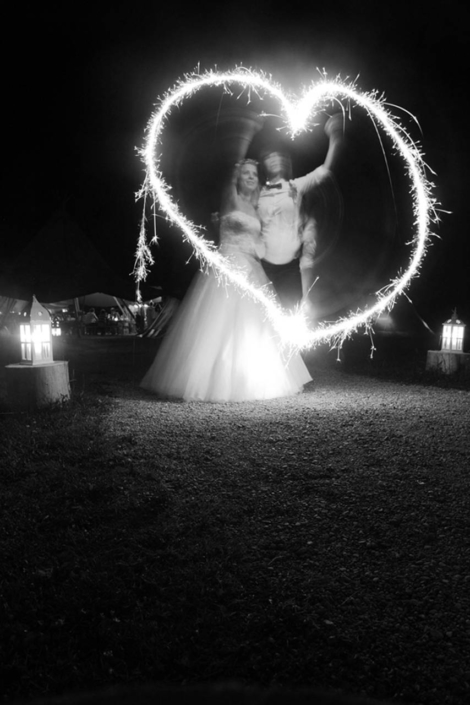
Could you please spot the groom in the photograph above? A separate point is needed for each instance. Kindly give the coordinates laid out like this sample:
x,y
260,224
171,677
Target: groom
x,y
288,230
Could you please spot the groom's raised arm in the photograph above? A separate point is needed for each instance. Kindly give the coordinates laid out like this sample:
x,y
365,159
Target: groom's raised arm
x,y
334,129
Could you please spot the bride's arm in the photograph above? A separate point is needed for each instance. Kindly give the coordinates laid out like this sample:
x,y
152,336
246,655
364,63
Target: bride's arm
x,y
230,196
249,127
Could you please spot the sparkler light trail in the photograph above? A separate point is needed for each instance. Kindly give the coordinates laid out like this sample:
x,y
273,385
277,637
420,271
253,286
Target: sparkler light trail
x,y
298,115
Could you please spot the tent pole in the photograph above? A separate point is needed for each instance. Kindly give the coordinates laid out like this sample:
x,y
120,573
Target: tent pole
x,y
77,309
119,305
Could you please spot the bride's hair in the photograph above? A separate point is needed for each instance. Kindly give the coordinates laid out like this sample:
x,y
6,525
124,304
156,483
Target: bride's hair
x,y
248,161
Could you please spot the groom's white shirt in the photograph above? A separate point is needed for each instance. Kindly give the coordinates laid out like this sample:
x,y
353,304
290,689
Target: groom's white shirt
x,y
284,236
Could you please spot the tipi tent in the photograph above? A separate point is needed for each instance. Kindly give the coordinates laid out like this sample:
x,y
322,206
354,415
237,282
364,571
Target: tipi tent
x,y
61,263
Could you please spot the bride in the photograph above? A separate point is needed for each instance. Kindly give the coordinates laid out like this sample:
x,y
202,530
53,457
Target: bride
x,y
220,345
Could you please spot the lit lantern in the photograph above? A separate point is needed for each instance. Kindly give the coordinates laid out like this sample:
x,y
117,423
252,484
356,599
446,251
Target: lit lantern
x,y
36,336
453,334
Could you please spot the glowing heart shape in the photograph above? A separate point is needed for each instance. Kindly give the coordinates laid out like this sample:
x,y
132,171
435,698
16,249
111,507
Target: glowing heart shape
x,y
293,328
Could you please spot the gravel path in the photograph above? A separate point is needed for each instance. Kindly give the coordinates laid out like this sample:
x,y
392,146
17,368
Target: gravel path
x,y
351,504
320,540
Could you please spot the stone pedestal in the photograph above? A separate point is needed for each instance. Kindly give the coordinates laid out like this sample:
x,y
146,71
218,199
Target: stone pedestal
x,y
33,386
447,362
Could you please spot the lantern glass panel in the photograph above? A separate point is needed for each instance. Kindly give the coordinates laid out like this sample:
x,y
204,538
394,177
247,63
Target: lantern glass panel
x,y
452,337
37,339
457,337
446,337
25,339
41,340
25,333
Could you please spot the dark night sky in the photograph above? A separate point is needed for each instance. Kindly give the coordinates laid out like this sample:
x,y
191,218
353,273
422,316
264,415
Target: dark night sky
x,y
80,84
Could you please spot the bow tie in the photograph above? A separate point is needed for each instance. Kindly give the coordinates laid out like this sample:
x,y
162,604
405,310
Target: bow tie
x,y
270,186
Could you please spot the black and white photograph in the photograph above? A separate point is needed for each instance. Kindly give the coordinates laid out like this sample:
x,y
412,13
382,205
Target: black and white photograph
x,y
235,354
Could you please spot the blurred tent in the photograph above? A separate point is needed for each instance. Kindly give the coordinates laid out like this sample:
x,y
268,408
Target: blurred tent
x,y
61,264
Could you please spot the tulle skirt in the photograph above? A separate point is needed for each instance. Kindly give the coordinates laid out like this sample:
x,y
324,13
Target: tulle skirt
x,y
221,347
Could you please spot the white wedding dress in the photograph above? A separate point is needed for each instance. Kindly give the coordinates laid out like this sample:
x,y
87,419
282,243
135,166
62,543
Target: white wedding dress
x,y
220,346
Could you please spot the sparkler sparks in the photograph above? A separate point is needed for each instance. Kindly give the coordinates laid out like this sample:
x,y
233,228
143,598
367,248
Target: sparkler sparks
x,y
298,114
